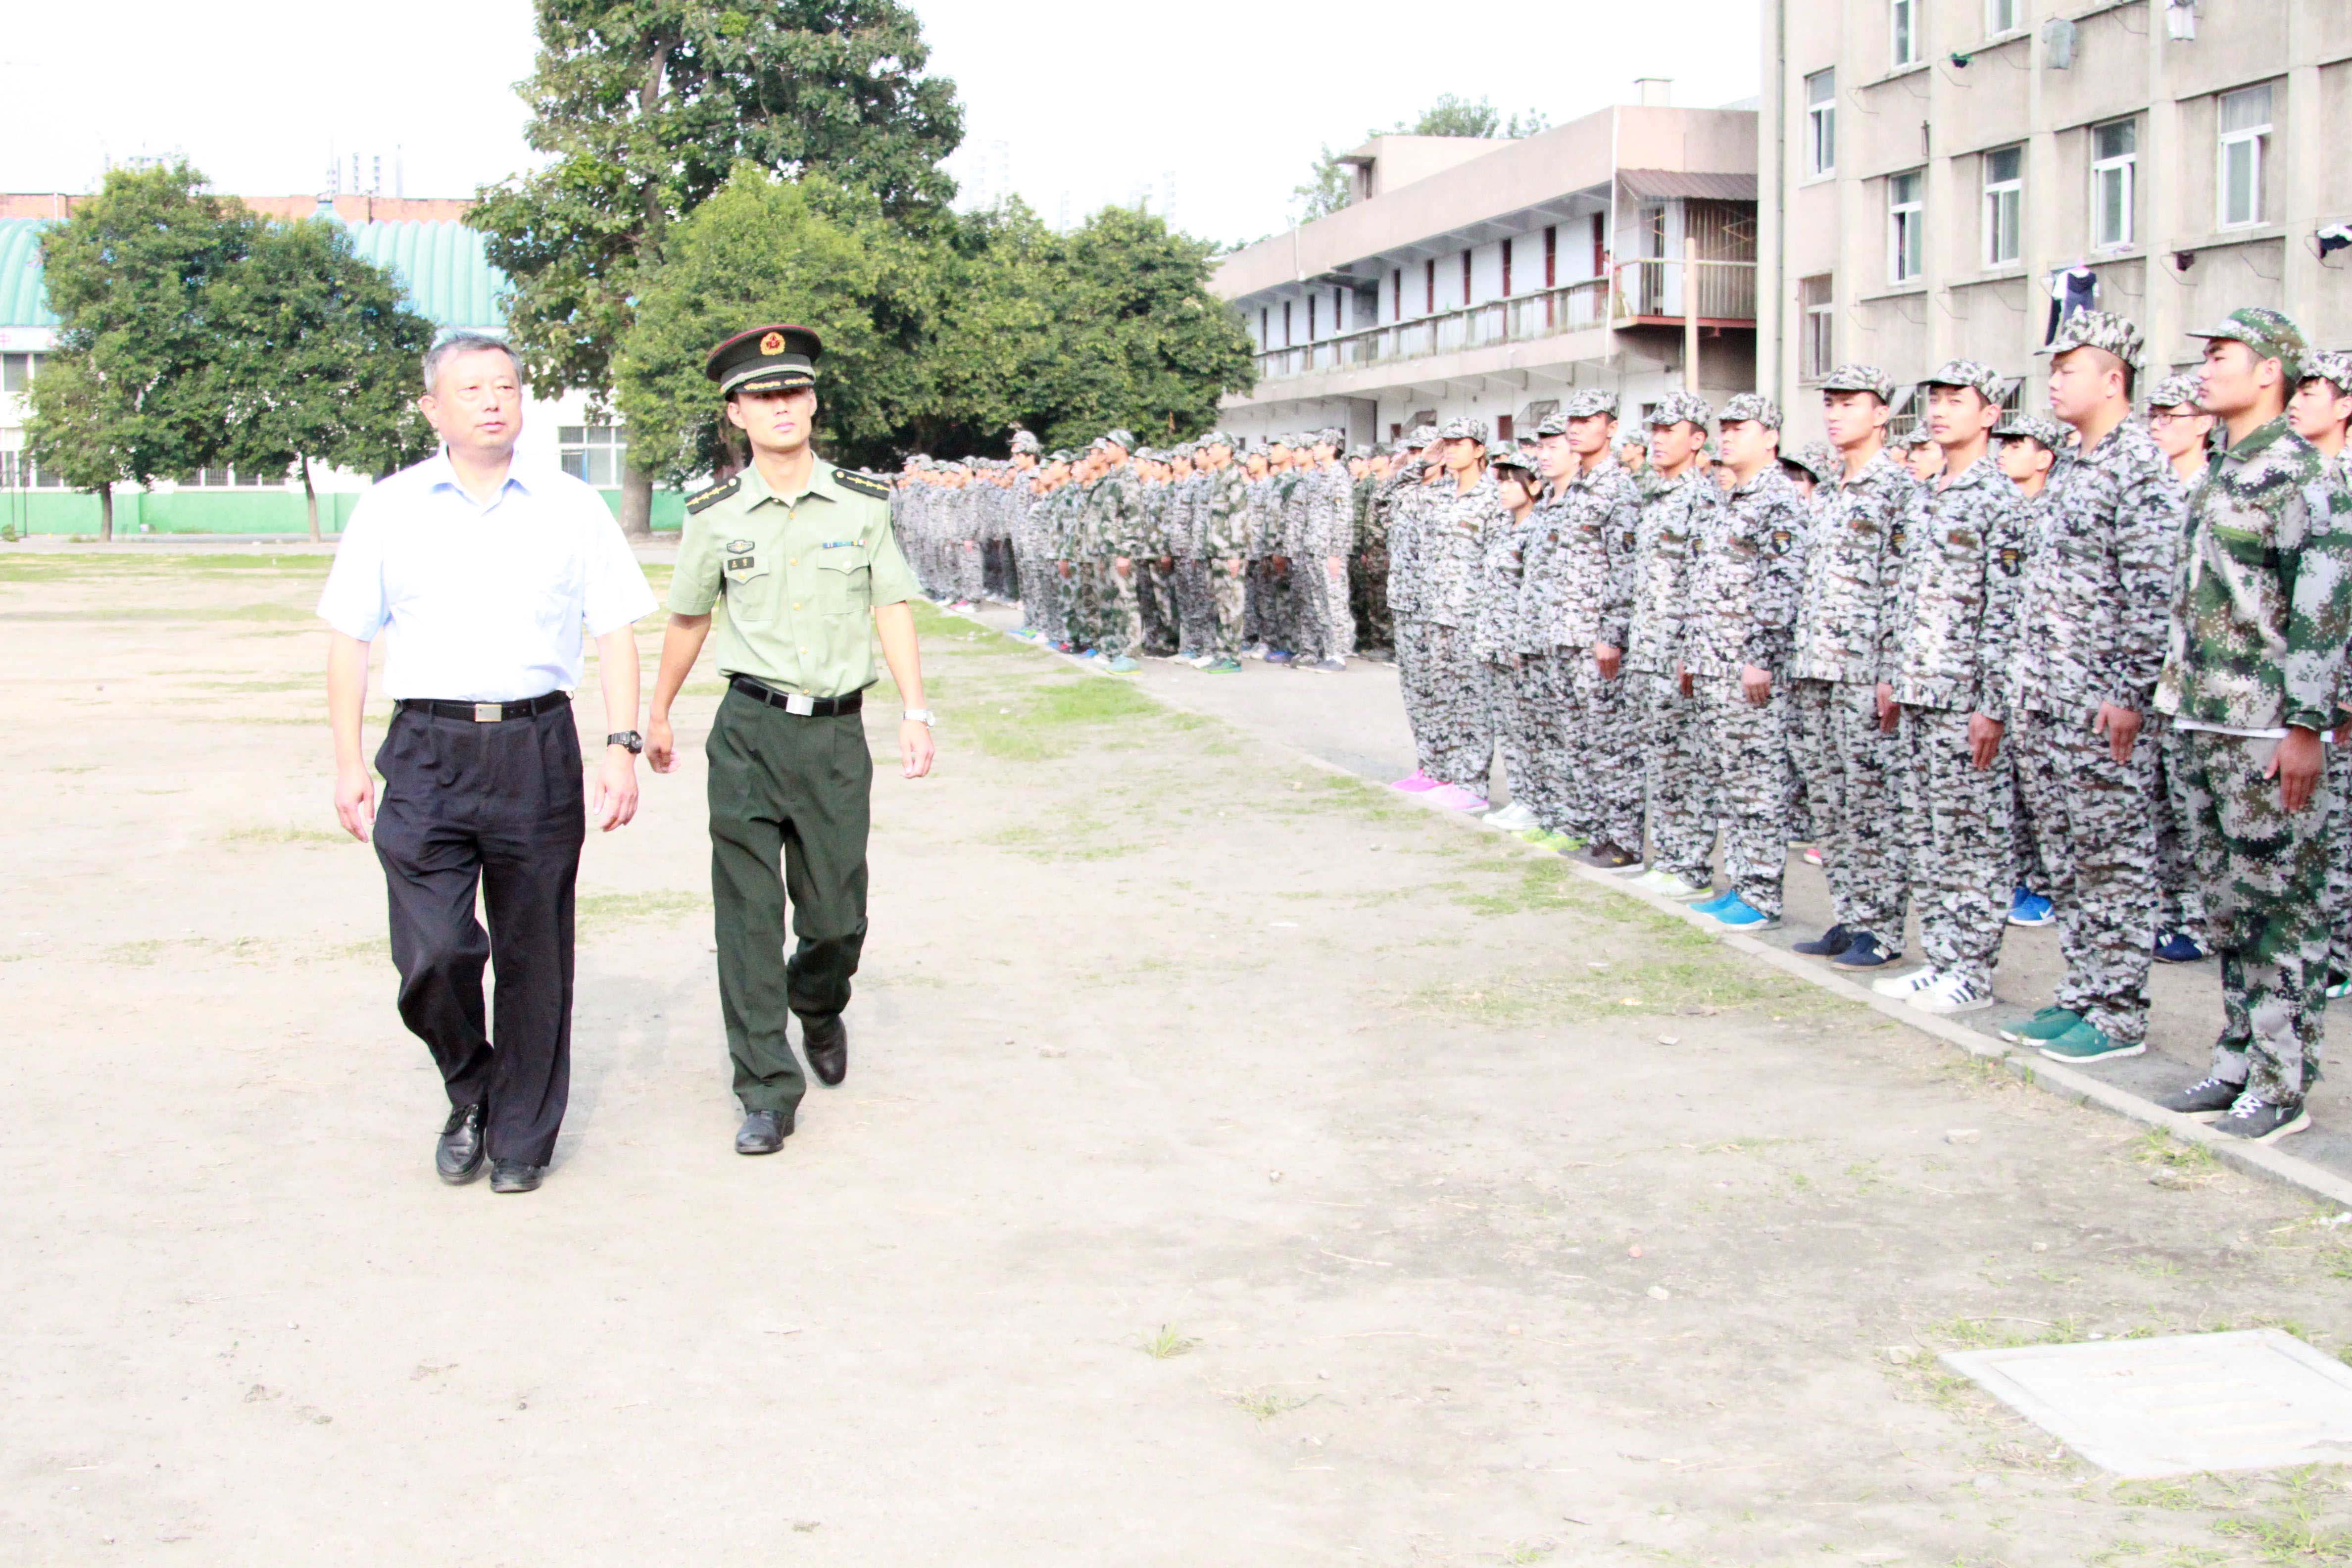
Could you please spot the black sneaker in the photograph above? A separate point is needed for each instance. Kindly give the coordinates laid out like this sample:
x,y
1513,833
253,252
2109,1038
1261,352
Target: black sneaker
x,y
1829,945
2257,1120
1864,952
2204,1099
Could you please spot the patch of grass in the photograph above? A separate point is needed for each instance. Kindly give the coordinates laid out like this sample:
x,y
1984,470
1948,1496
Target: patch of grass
x,y
2159,1148
1167,1344
2169,1495
136,953
603,911
1265,1404
1075,838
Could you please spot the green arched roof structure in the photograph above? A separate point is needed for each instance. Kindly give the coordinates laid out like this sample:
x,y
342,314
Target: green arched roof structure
x,y
24,302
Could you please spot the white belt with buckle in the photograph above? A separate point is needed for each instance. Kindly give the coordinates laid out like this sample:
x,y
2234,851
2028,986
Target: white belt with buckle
x,y
490,712
799,702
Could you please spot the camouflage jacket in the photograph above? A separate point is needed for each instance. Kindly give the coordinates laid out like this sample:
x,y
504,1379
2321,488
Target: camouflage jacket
x,y
1578,585
1058,524
2263,595
1964,554
1368,530
1158,497
1224,513
1264,518
1329,525
1664,547
1115,521
1399,500
1746,581
2098,599
1495,632
1853,545
1453,524
1186,501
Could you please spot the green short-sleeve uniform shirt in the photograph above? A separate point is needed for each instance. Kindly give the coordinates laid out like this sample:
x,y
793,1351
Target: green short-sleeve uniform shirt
x,y
793,579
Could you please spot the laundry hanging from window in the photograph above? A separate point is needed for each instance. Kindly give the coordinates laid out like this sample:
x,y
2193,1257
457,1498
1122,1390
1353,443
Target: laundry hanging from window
x,y
2072,289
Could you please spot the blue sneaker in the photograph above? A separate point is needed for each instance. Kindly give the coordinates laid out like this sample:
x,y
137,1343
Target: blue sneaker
x,y
2178,947
1718,904
1864,953
1741,915
1281,656
2028,908
1122,665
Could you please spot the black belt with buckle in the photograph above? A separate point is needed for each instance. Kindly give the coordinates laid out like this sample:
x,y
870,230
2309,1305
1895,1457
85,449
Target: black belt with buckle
x,y
797,702
487,712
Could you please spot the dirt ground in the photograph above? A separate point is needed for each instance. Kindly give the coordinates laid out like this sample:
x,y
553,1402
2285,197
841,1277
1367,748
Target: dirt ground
x,y
1237,1164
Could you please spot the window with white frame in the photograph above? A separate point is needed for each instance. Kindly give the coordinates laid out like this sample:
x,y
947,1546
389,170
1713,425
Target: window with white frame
x,y
16,371
1820,122
2004,192
1904,18
1817,300
2003,16
1906,247
2114,174
2245,128
230,478
594,453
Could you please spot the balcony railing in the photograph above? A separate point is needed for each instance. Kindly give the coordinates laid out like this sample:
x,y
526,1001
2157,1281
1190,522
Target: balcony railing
x,y
1726,291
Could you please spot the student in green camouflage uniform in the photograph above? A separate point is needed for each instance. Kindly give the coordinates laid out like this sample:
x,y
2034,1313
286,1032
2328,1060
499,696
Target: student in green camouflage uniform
x,y
2252,677
1368,557
1224,548
1114,537
2319,411
2180,429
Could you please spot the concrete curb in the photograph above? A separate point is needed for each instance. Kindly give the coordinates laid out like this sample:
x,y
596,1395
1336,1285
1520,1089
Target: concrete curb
x,y
2253,1159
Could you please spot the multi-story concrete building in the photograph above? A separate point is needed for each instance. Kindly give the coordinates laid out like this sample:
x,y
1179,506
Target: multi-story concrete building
x,y
1492,278
1938,174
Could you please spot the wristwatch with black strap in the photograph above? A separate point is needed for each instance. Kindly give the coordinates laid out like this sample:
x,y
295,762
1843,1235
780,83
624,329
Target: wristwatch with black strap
x,y
628,738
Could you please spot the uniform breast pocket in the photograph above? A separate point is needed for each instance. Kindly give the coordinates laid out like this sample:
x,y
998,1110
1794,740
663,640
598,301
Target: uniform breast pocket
x,y
750,586
842,580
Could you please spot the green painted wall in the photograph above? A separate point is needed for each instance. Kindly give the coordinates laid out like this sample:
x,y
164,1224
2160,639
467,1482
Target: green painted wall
x,y
221,512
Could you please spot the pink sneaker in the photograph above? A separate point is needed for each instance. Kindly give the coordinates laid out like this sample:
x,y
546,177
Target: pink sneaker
x,y
1812,854
1456,797
1415,784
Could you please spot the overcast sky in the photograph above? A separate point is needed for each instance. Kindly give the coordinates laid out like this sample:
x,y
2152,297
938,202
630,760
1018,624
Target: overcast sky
x,y
1091,101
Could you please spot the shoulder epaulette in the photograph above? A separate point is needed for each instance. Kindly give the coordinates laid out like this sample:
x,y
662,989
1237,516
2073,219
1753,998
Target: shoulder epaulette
x,y
715,494
862,484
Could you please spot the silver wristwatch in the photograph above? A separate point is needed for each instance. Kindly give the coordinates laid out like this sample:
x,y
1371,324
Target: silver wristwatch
x,y
922,716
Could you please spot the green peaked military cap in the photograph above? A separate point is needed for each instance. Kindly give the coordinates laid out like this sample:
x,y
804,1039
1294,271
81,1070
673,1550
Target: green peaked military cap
x,y
779,358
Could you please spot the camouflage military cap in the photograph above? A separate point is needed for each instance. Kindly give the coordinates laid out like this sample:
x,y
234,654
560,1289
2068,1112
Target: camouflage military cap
x,y
2331,365
1421,436
1590,402
1462,430
2270,333
1024,441
1752,405
1920,435
1358,454
1677,408
1507,454
2173,392
1216,438
1861,378
1328,437
2036,427
1815,457
1553,425
1125,439
1983,378
2099,330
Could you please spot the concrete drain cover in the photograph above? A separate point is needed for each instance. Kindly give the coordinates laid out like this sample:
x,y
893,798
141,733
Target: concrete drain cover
x,y
2249,1401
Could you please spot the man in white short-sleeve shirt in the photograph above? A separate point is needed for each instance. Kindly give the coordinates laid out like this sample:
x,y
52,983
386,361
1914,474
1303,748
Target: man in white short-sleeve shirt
x,y
479,574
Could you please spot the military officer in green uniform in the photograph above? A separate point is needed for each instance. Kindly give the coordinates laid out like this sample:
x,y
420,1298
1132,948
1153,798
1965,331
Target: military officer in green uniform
x,y
798,559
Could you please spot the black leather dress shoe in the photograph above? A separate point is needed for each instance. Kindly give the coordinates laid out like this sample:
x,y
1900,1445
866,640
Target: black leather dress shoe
x,y
459,1157
764,1131
514,1176
827,1041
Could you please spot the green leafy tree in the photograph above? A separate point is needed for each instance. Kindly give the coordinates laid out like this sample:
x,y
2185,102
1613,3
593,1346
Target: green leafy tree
x,y
647,107
326,354
997,327
138,389
1331,185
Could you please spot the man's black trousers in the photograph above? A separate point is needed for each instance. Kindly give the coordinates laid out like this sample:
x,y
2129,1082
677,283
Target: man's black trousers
x,y
497,805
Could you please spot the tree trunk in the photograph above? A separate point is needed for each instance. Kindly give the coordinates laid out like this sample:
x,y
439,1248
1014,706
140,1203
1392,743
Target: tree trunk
x,y
106,514
636,502
311,499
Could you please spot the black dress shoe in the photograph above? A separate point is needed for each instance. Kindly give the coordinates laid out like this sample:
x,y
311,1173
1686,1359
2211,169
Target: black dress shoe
x,y
459,1157
514,1176
827,1041
764,1131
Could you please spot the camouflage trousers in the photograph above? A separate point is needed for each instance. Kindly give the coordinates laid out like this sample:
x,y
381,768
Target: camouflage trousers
x,y
1368,601
967,565
2028,866
2180,903
1319,591
2339,865
1587,751
1853,773
2093,820
1962,844
1223,587
1459,703
1266,606
1041,596
1748,745
1676,767
1520,694
1155,602
2264,876
1196,618
1413,687
1121,613
999,578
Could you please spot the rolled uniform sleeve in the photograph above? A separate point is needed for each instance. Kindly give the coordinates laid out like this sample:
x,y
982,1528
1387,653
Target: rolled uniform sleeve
x,y
888,580
694,582
354,601
616,594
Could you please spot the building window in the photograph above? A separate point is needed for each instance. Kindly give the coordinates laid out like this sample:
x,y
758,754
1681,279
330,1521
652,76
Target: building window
x,y
1599,245
2004,189
1285,323
1311,303
2245,139
16,371
593,452
1505,430
1264,329
1551,256
2003,16
1429,286
1907,249
1820,122
1466,278
1507,270
226,479
1817,352
1396,294
1904,16
2115,169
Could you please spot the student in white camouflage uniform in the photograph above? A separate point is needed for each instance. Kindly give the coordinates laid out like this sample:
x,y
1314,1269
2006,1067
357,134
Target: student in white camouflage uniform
x,y
1462,509
2252,676
1498,637
2180,429
2026,446
2091,621
1841,735
1410,489
1947,649
1676,761
1745,582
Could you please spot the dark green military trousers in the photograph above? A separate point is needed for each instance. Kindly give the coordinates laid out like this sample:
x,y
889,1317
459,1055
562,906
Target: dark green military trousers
x,y
794,788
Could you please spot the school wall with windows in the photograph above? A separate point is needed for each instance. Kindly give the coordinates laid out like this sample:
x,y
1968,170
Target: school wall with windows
x,y
449,280
1939,175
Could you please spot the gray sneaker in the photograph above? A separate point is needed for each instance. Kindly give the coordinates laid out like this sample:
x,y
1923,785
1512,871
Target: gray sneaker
x,y
2204,1099
2257,1120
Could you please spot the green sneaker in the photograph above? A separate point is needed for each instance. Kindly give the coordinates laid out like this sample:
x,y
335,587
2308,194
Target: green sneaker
x,y
2047,1025
2086,1042
1543,839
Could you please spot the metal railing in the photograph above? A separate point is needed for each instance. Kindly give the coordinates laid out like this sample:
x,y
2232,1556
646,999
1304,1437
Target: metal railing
x,y
1723,291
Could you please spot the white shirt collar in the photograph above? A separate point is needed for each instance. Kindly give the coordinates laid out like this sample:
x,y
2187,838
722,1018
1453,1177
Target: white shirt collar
x,y
441,473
